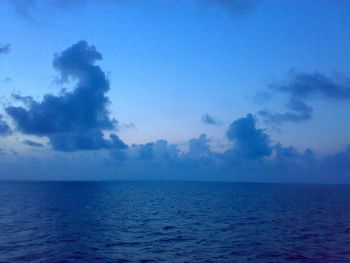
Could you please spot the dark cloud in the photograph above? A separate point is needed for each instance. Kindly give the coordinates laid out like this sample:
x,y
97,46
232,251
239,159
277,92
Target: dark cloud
x,y
4,127
207,119
300,88
299,112
309,85
73,120
33,143
290,156
249,141
5,49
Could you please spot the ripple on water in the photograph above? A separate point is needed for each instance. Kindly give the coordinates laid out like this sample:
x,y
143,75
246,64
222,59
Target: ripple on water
x,y
181,222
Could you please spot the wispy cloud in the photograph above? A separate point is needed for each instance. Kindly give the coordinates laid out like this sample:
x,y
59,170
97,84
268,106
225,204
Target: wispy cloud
x,y
33,143
208,119
300,88
29,8
299,112
5,49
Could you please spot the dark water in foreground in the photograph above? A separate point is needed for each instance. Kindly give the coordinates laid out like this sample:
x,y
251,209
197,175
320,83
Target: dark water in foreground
x,y
173,222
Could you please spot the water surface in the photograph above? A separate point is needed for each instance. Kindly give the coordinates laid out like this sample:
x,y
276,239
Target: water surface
x,y
173,222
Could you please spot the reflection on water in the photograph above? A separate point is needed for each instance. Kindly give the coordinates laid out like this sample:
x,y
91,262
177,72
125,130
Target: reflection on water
x,y
173,221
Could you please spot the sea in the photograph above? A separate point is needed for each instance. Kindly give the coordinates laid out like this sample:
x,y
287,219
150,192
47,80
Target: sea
x,y
136,221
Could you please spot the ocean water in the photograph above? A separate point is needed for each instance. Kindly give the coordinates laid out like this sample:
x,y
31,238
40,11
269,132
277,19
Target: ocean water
x,y
173,222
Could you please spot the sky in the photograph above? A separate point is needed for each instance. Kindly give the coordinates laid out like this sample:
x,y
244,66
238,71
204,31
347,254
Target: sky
x,y
220,90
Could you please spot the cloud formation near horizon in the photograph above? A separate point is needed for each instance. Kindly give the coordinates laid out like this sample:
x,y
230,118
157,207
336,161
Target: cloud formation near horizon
x,y
300,88
79,119
73,120
252,157
250,142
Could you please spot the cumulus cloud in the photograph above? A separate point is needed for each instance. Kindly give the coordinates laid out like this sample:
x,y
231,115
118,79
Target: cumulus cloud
x,y
250,142
208,119
159,150
199,147
288,157
300,88
77,119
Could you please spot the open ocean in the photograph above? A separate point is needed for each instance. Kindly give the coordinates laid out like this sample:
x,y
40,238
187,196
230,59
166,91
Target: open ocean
x,y
173,222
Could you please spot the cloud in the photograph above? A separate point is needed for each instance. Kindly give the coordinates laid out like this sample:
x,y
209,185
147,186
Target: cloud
x,y
33,143
249,141
6,80
199,147
127,125
159,150
73,120
308,85
24,7
299,112
4,127
5,49
337,162
207,119
290,157
300,88
29,8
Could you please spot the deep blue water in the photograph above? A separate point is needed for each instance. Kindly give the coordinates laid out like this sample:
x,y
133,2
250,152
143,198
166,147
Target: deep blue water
x,y
173,222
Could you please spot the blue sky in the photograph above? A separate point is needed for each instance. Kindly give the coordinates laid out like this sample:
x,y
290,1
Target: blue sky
x,y
171,62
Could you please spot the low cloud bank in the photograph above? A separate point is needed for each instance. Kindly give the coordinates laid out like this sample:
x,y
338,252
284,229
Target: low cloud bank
x,y
252,157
